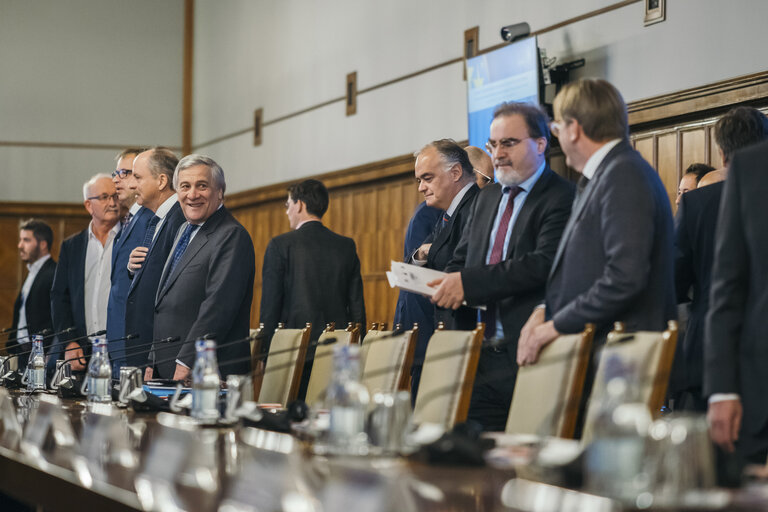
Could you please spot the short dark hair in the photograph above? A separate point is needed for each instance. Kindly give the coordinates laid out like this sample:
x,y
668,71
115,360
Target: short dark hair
x,y
535,118
452,154
129,151
313,194
738,128
40,230
698,170
162,160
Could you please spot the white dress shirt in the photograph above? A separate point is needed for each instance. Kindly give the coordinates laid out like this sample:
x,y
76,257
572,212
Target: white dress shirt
x,y
162,212
34,269
98,270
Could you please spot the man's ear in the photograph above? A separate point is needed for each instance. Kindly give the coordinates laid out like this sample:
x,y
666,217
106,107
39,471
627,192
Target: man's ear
x,y
163,181
456,172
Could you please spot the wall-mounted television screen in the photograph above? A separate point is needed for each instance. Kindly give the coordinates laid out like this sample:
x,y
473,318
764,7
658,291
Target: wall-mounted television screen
x,y
510,73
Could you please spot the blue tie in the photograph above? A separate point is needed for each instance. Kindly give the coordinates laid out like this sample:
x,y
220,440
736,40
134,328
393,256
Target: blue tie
x,y
179,251
150,234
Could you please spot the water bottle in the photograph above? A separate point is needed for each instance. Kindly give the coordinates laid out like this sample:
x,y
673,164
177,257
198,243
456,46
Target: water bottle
x,y
36,365
98,378
347,401
206,383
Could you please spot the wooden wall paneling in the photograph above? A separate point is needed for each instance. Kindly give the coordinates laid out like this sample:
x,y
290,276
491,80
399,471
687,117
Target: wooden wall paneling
x,y
715,160
694,148
668,162
645,146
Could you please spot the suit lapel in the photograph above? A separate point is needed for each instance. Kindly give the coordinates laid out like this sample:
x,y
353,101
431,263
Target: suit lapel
x,y
166,221
442,237
521,222
485,223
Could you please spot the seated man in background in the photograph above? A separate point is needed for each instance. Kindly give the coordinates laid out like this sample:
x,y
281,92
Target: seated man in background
x,y
691,178
481,164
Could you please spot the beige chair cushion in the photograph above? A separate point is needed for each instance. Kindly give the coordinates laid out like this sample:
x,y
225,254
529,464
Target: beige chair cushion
x,y
369,336
543,391
447,376
281,367
385,360
650,356
322,366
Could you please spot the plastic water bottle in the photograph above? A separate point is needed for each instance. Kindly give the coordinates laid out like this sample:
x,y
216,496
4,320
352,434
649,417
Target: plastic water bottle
x,y
206,383
347,400
36,365
99,374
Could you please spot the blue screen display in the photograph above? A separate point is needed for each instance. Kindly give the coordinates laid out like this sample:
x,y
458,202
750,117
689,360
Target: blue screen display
x,y
510,73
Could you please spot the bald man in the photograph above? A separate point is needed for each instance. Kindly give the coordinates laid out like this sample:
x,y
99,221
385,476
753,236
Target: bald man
x,y
712,177
482,165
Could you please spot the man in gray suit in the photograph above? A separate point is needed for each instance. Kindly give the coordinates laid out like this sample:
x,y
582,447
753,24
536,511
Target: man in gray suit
x,y
615,259
207,284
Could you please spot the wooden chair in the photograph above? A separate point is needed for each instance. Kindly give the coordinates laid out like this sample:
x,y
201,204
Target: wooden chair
x,y
650,354
280,378
547,394
255,334
322,365
387,366
372,333
447,376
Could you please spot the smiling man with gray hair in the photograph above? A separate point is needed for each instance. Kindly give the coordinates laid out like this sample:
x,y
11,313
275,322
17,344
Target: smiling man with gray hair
x,y
206,286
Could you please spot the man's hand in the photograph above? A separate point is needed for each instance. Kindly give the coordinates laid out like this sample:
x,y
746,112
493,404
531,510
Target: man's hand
x,y
182,373
148,372
534,336
137,257
724,420
72,351
422,252
450,291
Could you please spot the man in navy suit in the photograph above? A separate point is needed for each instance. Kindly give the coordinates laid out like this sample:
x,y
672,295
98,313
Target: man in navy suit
x,y
153,171
134,226
615,258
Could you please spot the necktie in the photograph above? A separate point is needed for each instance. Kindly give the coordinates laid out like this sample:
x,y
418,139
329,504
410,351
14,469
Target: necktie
x,y
150,234
126,219
489,315
580,186
179,251
443,222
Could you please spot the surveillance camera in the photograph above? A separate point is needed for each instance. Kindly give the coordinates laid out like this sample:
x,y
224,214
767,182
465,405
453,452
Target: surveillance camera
x,y
514,32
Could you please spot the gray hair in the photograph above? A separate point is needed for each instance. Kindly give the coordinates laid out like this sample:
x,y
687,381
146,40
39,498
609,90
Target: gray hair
x,y
451,154
217,173
88,184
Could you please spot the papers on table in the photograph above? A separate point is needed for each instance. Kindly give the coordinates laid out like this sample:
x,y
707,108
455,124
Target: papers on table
x,y
414,279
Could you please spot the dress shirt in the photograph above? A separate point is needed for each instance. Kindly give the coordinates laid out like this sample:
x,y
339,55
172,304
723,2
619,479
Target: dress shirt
x,y
98,269
520,198
597,158
34,269
162,212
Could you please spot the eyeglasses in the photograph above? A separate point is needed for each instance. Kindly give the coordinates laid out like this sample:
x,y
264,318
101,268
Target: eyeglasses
x,y
122,173
104,197
556,126
486,178
508,143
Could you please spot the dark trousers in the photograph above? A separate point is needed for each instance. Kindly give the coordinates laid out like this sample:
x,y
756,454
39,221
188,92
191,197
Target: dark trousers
x,y
492,392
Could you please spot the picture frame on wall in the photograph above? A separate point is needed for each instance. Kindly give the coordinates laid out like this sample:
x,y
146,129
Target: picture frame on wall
x,y
655,11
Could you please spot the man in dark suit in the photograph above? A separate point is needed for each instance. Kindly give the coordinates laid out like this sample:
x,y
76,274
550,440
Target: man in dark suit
x,y
505,255
310,274
206,286
615,258
734,351
694,254
445,177
32,309
153,171
81,284
134,226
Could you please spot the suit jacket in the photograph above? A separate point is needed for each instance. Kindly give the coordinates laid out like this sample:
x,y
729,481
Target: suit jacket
x,y
444,242
516,285
310,274
694,253
131,236
68,294
140,303
413,308
735,350
37,307
209,292
615,259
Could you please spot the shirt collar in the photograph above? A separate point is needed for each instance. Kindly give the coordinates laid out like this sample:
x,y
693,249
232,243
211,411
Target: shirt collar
x,y
597,158
528,184
112,232
307,221
134,209
457,199
34,267
164,208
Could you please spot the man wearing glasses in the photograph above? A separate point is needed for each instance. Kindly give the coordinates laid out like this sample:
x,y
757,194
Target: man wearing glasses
x,y
506,251
133,221
81,285
481,164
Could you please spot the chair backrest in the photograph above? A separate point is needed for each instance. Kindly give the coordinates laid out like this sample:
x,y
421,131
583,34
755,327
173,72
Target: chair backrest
x,y
372,333
285,362
547,394
255,334
650,354
447,376
387,366
322,365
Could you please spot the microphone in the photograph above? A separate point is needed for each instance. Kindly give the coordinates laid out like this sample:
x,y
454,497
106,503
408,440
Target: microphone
x,y
9,330
44,332
100,333
65,331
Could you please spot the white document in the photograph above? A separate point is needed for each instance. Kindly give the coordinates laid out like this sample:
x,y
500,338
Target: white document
x,y
414,279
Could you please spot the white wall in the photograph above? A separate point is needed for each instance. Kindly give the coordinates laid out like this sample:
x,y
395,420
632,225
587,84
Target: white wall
x,y
84,72
288,55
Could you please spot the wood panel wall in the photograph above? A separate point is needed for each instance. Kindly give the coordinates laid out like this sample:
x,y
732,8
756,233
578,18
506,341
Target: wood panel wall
x,y
373,203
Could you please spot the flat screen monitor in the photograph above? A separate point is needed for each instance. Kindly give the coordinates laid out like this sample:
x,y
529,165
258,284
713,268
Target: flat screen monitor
x,y
510,73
